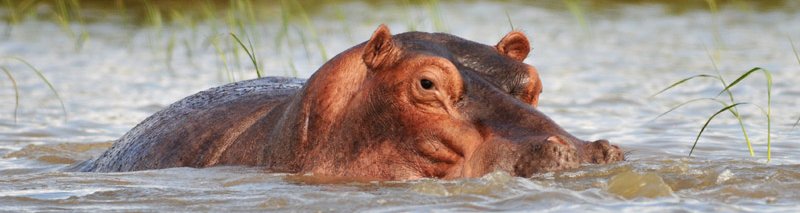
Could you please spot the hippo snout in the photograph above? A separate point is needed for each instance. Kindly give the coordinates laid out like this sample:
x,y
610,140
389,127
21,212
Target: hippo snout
x,y
553,154
601,152
560,153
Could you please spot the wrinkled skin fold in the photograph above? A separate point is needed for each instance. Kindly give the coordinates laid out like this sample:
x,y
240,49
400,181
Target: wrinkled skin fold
x,y
396,107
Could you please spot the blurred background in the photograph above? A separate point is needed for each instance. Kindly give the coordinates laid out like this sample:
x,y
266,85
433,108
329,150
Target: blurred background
x,y
77,74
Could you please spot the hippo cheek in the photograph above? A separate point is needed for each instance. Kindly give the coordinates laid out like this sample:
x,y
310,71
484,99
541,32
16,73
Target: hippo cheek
x,y
448,149
440,159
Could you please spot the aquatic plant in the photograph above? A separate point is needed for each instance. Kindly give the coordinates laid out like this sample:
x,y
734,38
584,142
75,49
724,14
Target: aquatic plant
x,y
223,58
153,15
436,15
411,25
16,91
289,10
715,27
250,53
729,105
575,8
66,12
16,13
38,74
510,24
796,56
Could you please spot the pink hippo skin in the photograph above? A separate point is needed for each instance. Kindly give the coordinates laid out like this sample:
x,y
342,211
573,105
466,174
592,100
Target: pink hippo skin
x,y
407,106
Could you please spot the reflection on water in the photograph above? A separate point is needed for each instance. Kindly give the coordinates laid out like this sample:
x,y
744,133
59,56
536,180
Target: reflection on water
x,y
597,80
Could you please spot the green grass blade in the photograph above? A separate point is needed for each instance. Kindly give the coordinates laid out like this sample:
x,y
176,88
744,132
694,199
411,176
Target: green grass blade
x,y
222,56
769,114
744,76
683,81
795,123
311,30
16,92
41,76
685,103
796,56
250,53
768,76
509,21
436,15
410,23
283,33
706,125
733,111
574,7
794,49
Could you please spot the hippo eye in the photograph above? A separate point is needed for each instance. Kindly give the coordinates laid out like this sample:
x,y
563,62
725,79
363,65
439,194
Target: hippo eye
x,y
426,84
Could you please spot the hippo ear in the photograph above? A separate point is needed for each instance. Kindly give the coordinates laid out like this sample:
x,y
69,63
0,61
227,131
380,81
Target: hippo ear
x,y
380,51
514,45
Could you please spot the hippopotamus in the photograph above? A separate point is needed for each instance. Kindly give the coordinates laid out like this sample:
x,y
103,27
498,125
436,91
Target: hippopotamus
x,y
396,107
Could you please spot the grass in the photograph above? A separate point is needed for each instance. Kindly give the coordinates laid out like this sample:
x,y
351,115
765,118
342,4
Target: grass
x,y
296,31
223,58
407,16
796,56
38,74
250,53
311,29
713,7
510,23
16,91
17,13
576,9
730,104
436,15
67,12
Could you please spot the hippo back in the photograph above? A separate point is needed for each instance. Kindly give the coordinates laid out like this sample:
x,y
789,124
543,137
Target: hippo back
x,y
196,130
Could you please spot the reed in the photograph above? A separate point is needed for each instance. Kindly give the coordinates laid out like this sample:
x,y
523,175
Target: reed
x,y
67,12
796,56
16,91
153,16
309,25
715,29
510,23
729,105
17,12
342,18
306,32
170,49
575,8
436,15
250,53
411,24
42,77
223,58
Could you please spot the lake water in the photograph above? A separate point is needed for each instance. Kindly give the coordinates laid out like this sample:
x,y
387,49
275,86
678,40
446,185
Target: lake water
x,y
600,62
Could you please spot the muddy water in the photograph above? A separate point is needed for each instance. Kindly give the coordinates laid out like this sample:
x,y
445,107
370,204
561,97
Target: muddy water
x,y
598,77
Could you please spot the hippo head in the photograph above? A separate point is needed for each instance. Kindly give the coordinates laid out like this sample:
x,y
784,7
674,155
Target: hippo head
x,y
434,105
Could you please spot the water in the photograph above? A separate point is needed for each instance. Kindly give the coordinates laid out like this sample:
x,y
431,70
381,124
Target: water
x,y
597,80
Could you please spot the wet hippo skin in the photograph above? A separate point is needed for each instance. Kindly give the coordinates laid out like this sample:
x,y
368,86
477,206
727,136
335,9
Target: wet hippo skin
x,y
395,107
